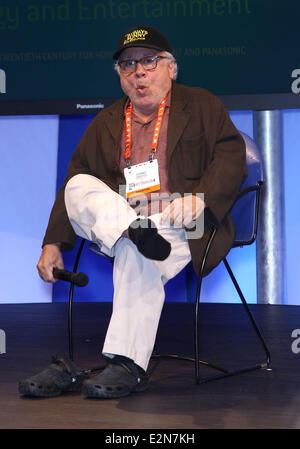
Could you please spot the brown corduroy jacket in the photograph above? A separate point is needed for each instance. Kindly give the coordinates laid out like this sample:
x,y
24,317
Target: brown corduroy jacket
x,y
205,154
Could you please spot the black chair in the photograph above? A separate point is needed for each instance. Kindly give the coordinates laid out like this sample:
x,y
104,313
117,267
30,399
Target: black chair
x,y
244,214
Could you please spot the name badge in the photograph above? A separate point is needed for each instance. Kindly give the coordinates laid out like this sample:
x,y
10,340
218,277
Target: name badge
x,y
142,178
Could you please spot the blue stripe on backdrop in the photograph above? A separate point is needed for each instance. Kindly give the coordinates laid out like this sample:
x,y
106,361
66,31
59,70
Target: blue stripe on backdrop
x,y
98,269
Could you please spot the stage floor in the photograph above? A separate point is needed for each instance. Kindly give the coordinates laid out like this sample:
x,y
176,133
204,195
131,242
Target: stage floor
x,y
255,400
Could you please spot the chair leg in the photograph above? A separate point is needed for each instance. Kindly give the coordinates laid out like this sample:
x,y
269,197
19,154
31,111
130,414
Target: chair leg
x,y
70,318
71,294
225,373
196,359
258,333
197,301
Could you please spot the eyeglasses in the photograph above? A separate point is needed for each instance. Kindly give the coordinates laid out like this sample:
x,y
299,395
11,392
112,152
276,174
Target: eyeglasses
x,y
148,62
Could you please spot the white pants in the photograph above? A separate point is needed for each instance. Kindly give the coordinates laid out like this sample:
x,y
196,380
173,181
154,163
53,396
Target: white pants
x,y
99,214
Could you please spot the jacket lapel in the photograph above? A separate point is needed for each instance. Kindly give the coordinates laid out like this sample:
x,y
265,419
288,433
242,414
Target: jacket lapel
x,y
178,119
114,120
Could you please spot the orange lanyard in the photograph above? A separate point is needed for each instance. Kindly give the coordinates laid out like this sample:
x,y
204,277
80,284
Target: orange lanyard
x,y
128,117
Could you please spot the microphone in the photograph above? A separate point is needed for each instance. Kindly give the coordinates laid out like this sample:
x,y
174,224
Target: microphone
x,y
79,279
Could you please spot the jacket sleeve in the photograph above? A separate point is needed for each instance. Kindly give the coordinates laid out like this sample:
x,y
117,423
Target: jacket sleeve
x,y
223,176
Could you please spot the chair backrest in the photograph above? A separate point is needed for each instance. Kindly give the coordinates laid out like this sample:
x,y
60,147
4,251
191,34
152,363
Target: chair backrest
x,y
244,212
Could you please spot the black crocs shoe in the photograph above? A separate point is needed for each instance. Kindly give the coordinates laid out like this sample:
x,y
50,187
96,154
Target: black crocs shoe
x,y
120,378
61,376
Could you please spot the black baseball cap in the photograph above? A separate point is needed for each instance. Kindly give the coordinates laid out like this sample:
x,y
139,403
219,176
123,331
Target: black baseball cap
x,y
142,36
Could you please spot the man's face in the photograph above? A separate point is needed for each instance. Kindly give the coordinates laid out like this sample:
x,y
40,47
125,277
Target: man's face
x,y
146,88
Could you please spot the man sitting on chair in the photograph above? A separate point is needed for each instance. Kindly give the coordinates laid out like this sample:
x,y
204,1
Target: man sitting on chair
x,y
150,176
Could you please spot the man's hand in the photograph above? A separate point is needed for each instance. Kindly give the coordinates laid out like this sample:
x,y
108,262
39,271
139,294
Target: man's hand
x,y
182,211
51,257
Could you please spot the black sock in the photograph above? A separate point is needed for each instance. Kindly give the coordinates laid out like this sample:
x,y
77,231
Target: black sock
x,y
143,233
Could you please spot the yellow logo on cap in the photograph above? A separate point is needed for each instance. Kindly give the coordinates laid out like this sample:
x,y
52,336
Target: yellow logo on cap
x,y
135,36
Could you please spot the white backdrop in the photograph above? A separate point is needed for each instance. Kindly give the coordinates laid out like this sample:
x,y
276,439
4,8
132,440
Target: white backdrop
x,y
28,148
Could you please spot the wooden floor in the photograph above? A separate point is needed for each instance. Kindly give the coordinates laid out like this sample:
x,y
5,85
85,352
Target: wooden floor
x,y
255,400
